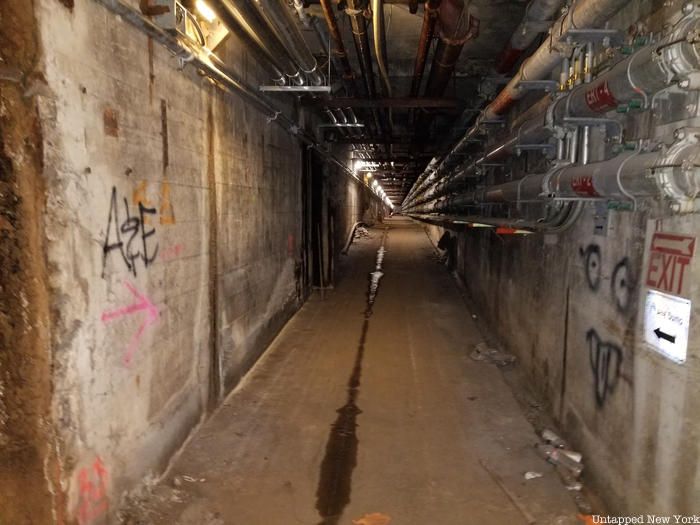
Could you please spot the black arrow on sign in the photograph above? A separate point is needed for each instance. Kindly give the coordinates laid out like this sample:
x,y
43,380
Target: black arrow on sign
x,y
664,335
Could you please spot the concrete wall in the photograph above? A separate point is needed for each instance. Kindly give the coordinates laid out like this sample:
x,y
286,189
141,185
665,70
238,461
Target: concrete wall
x,y
161,219
571,307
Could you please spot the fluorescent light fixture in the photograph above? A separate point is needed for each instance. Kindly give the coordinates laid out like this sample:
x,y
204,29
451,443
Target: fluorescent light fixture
x,y
206,11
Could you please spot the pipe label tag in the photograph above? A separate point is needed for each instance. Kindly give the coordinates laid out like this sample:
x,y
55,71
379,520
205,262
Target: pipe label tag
x,y
600,99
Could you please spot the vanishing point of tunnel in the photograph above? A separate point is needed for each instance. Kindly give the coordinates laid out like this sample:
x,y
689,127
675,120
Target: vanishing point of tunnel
x,y
349,262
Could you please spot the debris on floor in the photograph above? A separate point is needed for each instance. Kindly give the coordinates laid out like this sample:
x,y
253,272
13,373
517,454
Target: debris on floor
x,y
362,232
531,474
482,352
376,518
569,464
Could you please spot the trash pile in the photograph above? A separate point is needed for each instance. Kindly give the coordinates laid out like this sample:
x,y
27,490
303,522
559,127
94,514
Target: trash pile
x,y
482,352
569,464
361,232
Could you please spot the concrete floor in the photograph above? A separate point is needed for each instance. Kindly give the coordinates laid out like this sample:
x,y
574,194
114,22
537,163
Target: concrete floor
x,y
360,415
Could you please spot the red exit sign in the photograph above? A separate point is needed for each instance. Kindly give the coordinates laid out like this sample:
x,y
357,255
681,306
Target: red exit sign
x,y
669,257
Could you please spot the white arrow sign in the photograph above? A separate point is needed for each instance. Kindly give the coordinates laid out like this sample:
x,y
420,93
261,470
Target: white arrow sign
x,y
666,324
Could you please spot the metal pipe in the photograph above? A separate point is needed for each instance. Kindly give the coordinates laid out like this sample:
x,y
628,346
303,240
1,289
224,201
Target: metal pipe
x,y
426,36
583,14
642,74
338,47
537,12
242,14
281,20
323,39
626,177
207,62
355,10
379,31
457,26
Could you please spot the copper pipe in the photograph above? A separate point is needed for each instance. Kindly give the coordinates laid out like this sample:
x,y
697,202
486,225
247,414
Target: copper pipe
x,y
338,49
426,36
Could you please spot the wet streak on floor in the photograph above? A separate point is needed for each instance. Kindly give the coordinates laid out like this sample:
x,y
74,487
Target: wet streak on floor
x,y
335,481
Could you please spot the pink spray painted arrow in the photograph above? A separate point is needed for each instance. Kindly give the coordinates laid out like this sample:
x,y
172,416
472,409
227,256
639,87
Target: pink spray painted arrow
x,y
142,303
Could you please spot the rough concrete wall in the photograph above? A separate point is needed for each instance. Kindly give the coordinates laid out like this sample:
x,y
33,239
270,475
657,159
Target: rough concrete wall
x,y
570,306
26,460
172,221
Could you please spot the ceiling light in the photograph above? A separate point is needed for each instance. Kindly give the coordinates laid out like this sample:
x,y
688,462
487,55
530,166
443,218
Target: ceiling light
x,y
206,11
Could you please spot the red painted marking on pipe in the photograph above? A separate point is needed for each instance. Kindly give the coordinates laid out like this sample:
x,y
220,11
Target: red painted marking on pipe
x,y
600,99
504,230
584,186
508,58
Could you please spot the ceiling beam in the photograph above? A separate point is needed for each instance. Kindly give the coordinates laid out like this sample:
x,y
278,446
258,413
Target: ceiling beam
x,y
395,103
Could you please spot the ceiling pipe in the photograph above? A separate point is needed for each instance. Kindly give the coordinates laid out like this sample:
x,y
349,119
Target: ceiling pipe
x,y
281,20
587,13
457,26
583,14
672,173
379,33
675,58
242,15
356,11
427,33
227,80
338,47
537,13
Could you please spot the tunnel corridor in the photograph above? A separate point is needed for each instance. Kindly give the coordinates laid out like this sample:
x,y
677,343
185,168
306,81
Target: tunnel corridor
x,y
355,412
349,262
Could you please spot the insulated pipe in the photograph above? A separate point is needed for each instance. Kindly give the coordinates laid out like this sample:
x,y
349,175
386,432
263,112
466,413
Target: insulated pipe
x,y
426,36
583,14
641,75
537,12
672,173
243,14
281,20
587,13
457,26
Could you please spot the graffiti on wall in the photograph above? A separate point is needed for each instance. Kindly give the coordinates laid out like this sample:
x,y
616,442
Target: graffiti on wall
x,y
92,492
606,361
131,232
128,234
605,355
141,305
